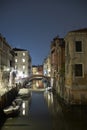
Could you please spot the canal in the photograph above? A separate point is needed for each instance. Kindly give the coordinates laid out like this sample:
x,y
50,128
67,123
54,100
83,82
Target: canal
x,y
45,112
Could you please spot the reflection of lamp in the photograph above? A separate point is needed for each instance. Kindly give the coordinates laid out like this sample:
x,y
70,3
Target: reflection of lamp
x,y
23,105
48,96
23,112
52,97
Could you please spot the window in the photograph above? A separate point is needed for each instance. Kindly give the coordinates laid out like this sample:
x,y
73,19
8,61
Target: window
x,y
23,67
78,46
16,60
15,54
78,70
23,60
16,67
10,63
23,54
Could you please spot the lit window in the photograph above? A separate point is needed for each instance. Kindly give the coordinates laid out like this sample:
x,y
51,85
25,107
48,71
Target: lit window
x,y
23,67
16,60
23,60
23,54
78,70
15,66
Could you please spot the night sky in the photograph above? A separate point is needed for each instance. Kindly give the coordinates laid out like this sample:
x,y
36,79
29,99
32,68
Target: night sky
x,y
32,24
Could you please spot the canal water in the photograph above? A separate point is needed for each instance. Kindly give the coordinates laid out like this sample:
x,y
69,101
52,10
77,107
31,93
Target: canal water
x,y
45,112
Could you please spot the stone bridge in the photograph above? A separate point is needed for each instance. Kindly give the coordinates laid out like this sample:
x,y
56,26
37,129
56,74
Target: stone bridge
x,y
33,77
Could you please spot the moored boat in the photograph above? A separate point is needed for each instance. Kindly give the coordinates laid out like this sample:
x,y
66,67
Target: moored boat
x,y
14,108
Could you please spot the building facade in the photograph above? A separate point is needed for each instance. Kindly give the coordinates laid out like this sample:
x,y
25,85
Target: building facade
x,y
47,66
76,67
57,63
23,63
6,61
37,70
60,75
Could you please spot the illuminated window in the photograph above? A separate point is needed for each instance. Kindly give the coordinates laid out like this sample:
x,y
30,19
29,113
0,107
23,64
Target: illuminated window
x,y
16,60
23,67
23,60
23,54
16,67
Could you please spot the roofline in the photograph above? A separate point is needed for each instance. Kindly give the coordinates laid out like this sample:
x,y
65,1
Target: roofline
x,y
19,49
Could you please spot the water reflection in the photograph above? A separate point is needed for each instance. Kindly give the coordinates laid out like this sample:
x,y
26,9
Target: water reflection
x,y
48,114
25,107
66,118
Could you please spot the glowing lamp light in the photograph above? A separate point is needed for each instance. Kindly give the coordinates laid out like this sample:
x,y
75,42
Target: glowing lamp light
x,y
23,105
23,112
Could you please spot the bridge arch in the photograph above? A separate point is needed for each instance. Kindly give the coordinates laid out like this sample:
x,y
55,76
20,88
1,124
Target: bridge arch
x,y
33,77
